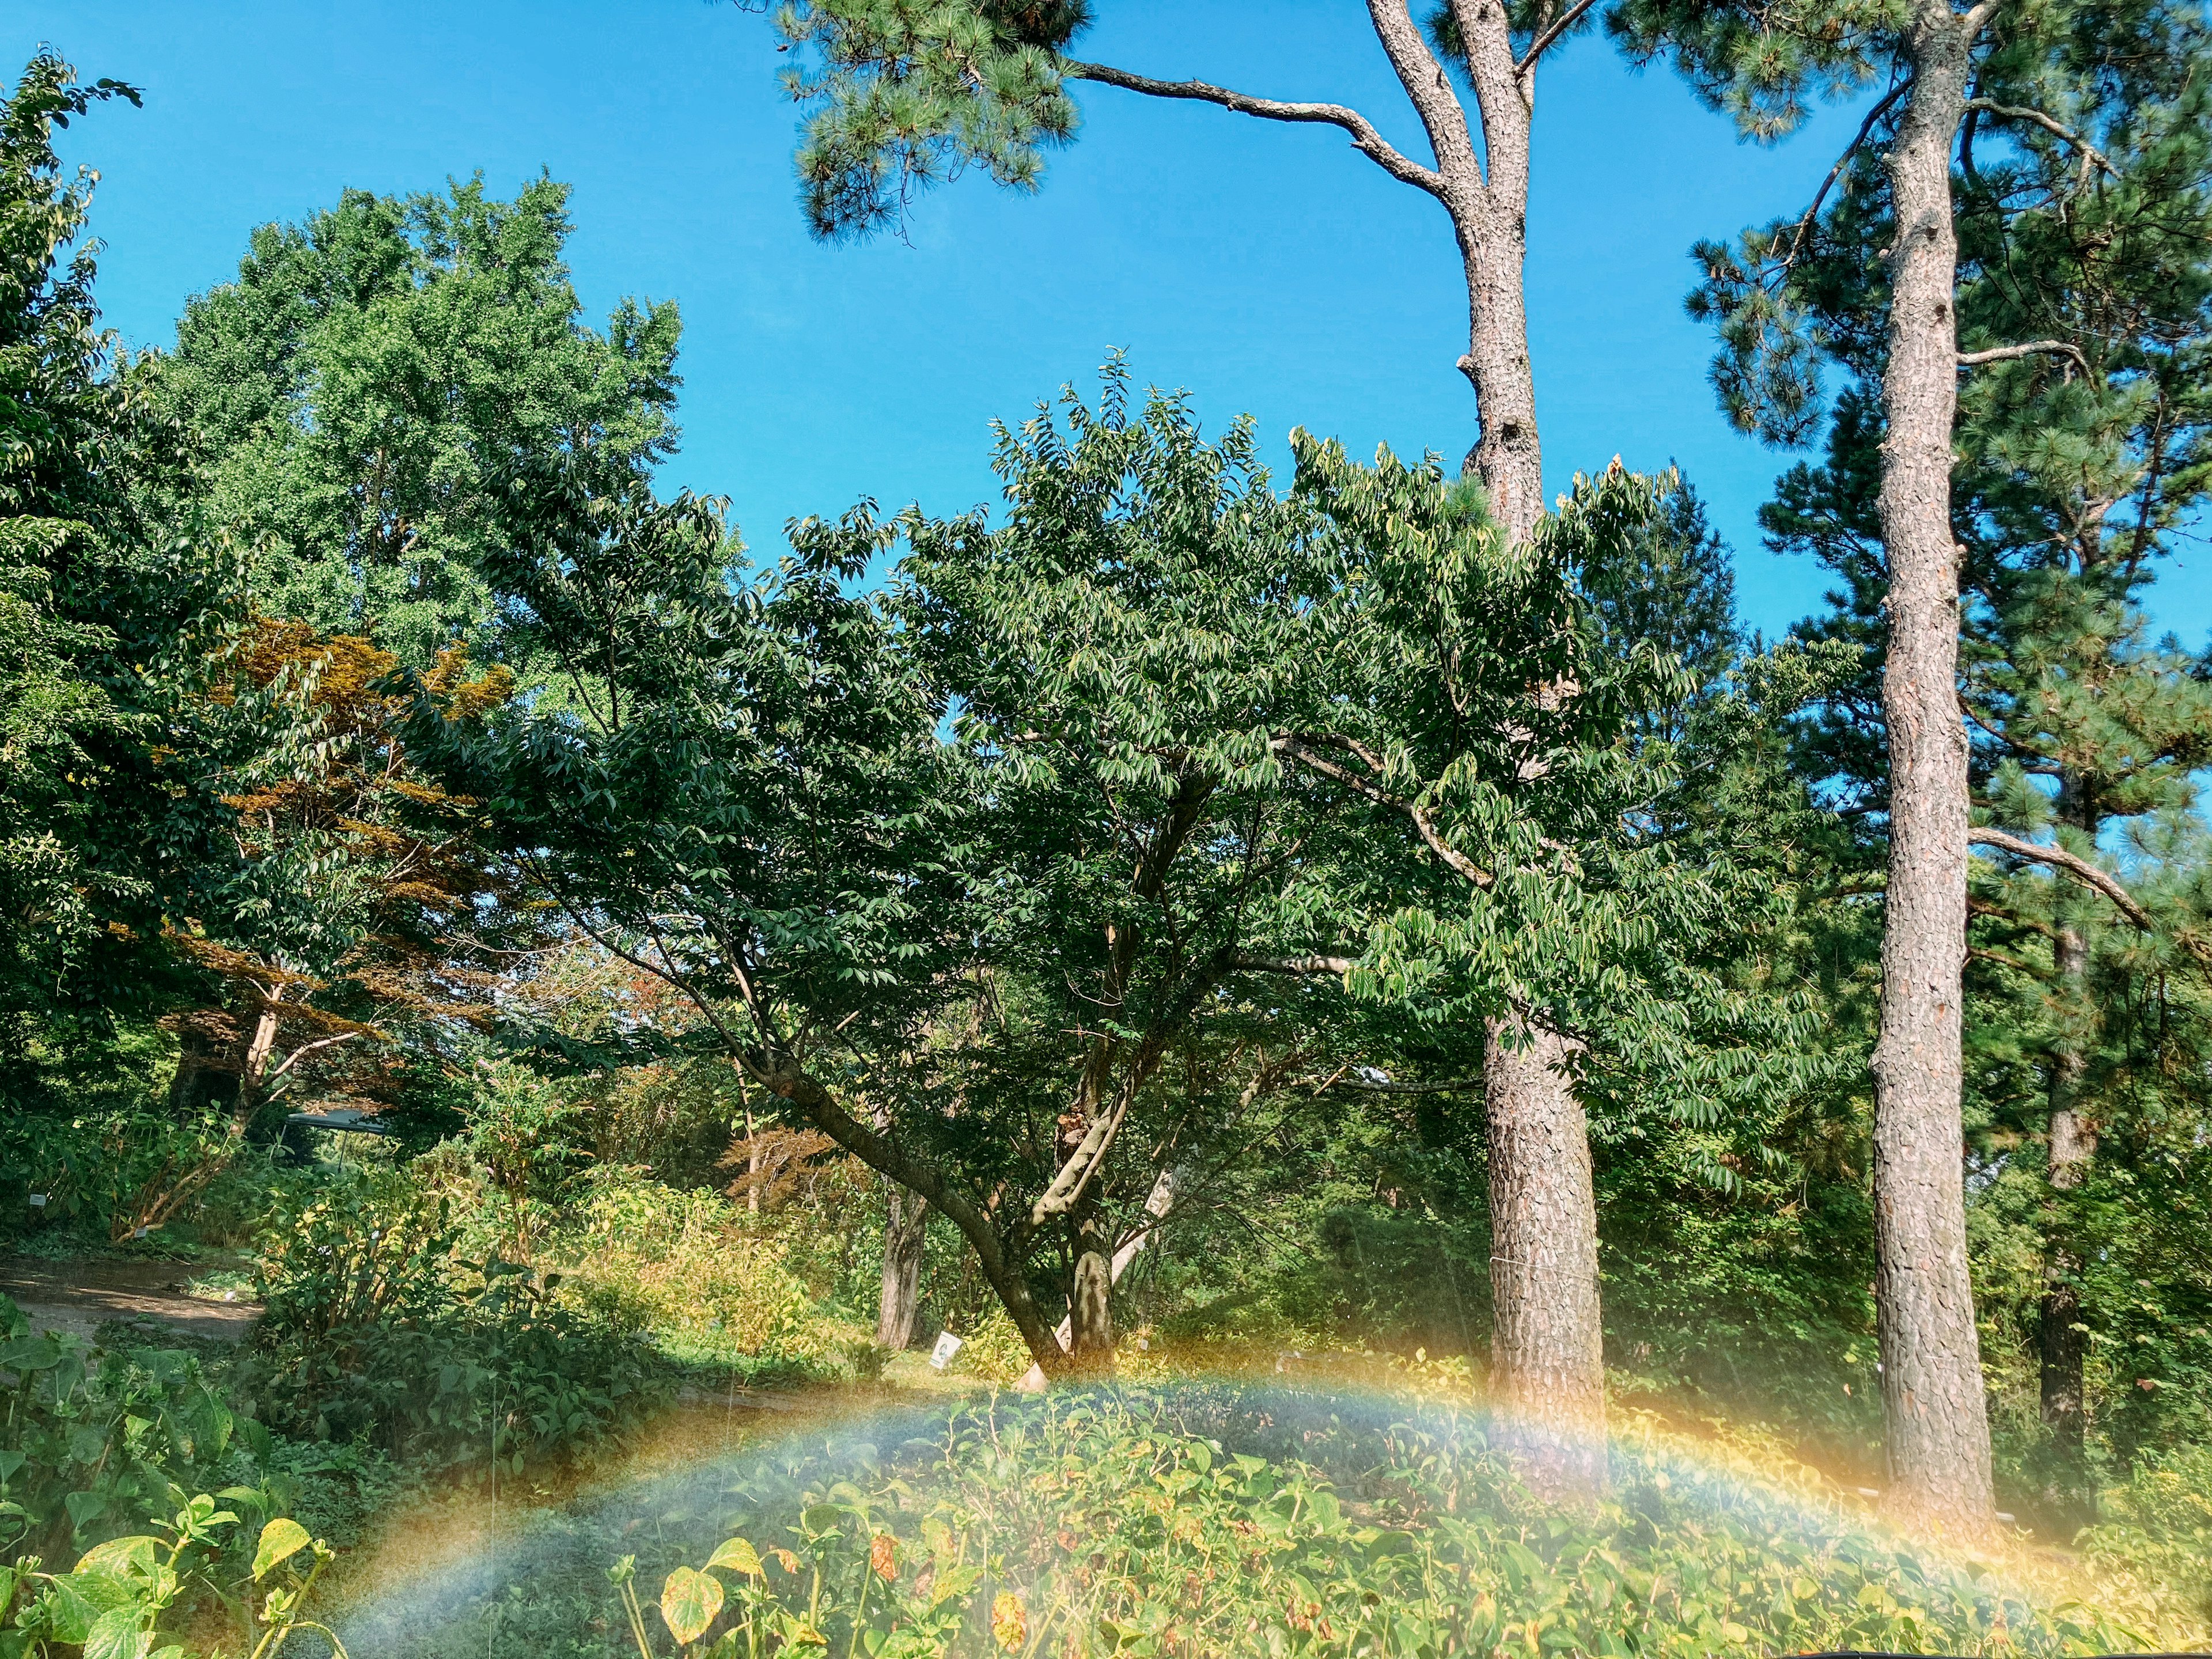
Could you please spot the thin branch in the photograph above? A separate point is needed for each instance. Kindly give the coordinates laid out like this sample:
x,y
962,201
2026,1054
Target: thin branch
x,y
2057,128
2059,858
2032,349
2089,876
1337,965
2006,959
307,1049
1812,213
1424,820
1365,1086
1364,138
1542,42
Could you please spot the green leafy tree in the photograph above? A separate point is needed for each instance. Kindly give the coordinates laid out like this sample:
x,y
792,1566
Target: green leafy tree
x,y
371,375
107,611
904,95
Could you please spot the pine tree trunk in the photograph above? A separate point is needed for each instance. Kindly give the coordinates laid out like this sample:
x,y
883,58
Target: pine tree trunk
x,y
906,1228
1547,1351
1548,1348
1932,1392
2062,1344
1548,1362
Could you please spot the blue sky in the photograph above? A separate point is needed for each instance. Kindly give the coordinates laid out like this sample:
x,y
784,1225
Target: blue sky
x,y
1268,270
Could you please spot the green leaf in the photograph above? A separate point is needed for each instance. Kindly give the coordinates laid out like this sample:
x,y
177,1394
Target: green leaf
x,y
689,1602
81,1598
131,1557
115,1635
738,1555
281,1540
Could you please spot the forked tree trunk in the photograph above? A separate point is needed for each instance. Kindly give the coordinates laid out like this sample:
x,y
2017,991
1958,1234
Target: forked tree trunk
x,y
907,1227
1932,1395
1157,1203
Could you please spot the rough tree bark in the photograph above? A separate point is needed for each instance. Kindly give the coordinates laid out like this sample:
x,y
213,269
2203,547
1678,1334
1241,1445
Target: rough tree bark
x,y
1547,1367
906,1227
1932,1394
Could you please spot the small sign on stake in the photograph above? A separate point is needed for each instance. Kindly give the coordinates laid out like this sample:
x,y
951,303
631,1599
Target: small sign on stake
x,y
941,1355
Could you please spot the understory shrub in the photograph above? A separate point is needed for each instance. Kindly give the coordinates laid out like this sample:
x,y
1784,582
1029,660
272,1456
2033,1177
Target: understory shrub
x,y
679,1263
377,1329
1210,1521
2155,1531
89,1445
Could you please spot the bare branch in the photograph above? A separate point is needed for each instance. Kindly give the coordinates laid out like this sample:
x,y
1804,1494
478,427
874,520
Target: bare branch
x,y
1364,138
1339,965
2057,128
1343,1080
1812,213
307,1049
2089,876
1424,820
1542,42
2059,858
2032,349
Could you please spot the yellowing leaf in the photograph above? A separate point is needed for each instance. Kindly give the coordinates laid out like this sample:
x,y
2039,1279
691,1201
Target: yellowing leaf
x,y
127,1556
281,1540
1010,1624
689,1602
738,1555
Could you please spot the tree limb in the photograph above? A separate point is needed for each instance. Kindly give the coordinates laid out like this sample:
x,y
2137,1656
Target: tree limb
x,y
2057,128
2089,876
1386,1087
1424,820
1543,42
2059,858
1812,213
307,1049
1364,138
2032,349
1338,965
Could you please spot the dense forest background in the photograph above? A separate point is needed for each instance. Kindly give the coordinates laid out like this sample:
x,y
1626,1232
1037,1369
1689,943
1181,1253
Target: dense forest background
x,y
1104,904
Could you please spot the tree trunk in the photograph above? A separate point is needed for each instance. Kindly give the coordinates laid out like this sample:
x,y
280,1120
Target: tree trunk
x,y
1548,1362
2061,1342
1548,1348
1090,1313
902,1240
1932,1393
259,1047
1157,1203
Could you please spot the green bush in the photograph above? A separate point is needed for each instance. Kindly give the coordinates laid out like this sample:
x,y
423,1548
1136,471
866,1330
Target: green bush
x,y
2156,1530
90,1444
1209,1520
377,1329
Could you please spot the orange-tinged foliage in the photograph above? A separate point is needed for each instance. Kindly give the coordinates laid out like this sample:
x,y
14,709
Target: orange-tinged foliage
x,y
410,872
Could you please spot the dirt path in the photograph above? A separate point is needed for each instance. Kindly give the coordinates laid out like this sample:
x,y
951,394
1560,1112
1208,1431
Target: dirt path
x,y
77,1296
